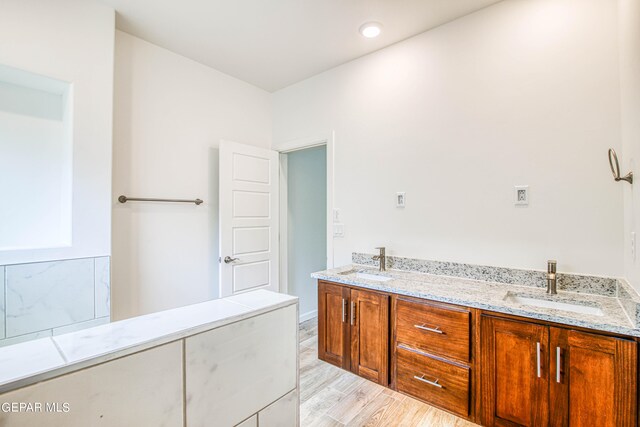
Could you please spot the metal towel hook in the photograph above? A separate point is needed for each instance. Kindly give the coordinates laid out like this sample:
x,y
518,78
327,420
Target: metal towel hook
x,y
615,170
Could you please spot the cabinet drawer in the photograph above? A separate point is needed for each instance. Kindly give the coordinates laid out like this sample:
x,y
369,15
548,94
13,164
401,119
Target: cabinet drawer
x,y
436,382
434,329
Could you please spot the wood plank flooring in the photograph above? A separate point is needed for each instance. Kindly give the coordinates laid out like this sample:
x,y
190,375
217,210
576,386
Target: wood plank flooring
x,y
331,397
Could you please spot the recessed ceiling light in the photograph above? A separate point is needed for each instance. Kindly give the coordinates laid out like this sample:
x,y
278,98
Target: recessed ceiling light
x,y
371,29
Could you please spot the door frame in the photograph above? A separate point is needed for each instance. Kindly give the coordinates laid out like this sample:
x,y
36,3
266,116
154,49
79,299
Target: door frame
x,y
327,139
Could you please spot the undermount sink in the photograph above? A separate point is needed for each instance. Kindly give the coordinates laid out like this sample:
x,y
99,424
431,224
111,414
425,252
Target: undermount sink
x,y
374,277
556,305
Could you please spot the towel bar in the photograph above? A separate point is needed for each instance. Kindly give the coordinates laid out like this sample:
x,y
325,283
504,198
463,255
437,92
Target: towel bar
x,y
125,199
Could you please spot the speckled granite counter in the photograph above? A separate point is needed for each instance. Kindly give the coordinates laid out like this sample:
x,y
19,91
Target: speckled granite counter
x,y
494,296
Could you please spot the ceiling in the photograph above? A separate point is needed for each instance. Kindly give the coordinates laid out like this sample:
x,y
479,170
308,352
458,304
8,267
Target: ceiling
x,y
275,43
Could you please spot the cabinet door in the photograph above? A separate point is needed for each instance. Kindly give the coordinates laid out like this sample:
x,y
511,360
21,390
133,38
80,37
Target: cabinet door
x,y
370,335
593,380
333,325
515,377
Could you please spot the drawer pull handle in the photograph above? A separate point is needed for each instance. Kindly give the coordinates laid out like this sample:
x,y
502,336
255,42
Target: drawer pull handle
x,y
424,328
558,364
435,383
353,313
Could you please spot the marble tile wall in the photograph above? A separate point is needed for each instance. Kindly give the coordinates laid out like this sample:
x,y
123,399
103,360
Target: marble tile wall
x,y
102,287
221,363
249,422
256,356
282,412
143,389
49,298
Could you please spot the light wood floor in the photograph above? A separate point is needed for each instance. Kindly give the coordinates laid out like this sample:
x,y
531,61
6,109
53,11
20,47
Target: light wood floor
x,y
330,396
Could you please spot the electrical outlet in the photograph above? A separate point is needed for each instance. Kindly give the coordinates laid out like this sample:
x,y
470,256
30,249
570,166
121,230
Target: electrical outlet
x,y
338,230
400,199
521,195
633,246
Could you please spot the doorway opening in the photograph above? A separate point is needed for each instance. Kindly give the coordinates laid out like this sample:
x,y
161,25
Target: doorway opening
x,y
304,210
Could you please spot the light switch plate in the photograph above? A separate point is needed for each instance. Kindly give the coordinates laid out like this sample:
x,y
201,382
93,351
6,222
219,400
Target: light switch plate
x,y
336,215
521,195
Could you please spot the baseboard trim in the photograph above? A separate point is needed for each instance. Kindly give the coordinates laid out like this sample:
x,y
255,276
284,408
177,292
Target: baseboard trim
x,y
309,315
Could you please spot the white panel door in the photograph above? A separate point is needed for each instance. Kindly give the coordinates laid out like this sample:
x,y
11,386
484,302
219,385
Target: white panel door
x,y
248,218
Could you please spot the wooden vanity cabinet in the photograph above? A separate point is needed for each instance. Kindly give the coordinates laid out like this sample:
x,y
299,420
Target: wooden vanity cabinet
x,y
432,353
538,375
515,373
353,330
333,325
593,380
494,369
369,335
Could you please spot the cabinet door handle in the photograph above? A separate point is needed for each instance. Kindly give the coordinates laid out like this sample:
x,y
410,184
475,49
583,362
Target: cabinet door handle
x,y
539,369
424,328
344,310
353,313
558,363
435,383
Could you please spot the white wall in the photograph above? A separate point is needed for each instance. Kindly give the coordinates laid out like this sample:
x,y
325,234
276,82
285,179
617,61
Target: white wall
x,y
35,162
525,92
170,114
307,224
630,102
72,41
34,183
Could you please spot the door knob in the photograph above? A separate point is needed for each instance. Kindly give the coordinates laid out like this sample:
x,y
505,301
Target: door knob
x,y
228,259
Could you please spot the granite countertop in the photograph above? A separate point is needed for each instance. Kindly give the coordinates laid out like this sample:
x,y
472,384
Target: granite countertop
x,y
33,361
492,296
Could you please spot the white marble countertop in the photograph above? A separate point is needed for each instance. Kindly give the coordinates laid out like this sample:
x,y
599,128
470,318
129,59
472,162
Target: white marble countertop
x,y
490,296
33,361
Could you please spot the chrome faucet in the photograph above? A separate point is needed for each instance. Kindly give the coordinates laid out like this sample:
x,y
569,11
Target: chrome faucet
x,y
382,258
551,277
